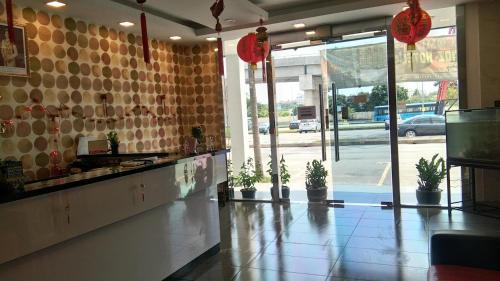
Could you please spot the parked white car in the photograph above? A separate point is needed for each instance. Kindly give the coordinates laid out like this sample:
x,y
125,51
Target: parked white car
x,y
310,125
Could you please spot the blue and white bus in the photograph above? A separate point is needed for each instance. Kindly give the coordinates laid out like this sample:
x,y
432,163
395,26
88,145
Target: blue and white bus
x,y
381,113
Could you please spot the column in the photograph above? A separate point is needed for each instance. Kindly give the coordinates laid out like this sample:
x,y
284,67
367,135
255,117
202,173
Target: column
x,y
237,111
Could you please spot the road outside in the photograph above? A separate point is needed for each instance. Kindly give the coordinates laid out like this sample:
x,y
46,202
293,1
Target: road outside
x,y
364,168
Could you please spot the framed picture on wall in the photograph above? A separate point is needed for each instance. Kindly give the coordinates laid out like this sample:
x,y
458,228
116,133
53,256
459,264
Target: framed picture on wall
x,y
13,56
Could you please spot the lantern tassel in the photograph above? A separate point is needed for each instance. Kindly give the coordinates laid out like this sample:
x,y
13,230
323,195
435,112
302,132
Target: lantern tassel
x,y
220,56
10,21
411,58
145,40
263,69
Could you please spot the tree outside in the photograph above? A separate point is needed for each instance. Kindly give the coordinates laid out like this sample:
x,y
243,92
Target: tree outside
x,y
379,96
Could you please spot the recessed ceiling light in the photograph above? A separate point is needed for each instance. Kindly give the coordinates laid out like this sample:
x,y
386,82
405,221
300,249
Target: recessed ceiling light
x,y
230,20
216,49
211,39
299,25
310,32
127,23
55,4
175,38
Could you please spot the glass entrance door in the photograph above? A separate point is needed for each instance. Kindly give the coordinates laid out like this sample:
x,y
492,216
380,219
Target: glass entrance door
x,y
358,102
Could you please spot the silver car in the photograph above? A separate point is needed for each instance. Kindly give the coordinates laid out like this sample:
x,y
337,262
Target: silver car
x,y
309,125
422,125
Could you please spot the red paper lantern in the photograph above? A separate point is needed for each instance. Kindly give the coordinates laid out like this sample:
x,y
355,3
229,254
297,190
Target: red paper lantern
x,y
411,25
249,50
405,31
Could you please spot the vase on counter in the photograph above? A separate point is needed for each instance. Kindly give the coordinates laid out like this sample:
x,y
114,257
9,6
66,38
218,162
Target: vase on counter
x,y
114,149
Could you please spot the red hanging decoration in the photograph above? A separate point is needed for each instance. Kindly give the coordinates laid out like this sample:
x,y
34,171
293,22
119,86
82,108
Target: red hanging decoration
x,y
144,31
262,40
411,26
10,21
217,8
55,156
249,50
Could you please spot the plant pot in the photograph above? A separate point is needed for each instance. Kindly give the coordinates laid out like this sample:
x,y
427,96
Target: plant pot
x,y
248,194
114,149
429,197
285,192
316,194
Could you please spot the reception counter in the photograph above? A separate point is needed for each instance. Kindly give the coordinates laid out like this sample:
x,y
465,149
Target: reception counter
x,y
140,223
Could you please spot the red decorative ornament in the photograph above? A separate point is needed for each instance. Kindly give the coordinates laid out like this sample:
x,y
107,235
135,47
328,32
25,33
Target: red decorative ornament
x,y
217,8
55,156
250,51
10,21
411,25
262,40
144,31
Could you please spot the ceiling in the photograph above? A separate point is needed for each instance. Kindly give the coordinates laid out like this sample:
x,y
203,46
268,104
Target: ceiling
x,y
192,20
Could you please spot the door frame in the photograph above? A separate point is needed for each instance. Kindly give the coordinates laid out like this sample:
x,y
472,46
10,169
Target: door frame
x,y
337,31
393,115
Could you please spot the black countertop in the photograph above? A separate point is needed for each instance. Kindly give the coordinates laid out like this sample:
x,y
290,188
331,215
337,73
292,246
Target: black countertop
x,y
101,174
125,155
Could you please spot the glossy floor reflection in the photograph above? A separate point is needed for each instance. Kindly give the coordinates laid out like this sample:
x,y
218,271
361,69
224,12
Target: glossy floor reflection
x,y
263,241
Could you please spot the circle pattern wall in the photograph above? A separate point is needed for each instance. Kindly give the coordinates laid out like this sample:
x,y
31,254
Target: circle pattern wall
x,y
88,79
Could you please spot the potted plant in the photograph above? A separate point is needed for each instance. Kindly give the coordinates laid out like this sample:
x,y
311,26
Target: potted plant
x,y
247,178
285,177
114,142
230,179
316,181
430,175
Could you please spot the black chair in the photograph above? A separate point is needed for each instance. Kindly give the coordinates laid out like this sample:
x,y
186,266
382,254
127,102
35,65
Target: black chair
x,y
466,248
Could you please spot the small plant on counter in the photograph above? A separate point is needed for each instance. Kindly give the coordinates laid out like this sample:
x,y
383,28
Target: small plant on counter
x,y
247,178
197,133
430,175
114,141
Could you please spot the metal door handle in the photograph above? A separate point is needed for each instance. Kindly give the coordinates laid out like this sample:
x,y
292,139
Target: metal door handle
x,y
335,122
322,120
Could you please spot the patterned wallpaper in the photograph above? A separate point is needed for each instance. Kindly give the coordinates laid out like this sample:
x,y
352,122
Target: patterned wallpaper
x,y
88,79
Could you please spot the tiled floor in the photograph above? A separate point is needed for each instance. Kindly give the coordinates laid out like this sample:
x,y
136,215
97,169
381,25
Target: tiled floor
x,y
263,241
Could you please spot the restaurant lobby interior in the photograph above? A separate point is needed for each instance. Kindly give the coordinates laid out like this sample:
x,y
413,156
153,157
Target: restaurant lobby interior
x,y
249,140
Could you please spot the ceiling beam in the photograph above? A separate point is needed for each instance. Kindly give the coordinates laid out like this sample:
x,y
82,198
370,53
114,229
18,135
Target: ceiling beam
x,y
251,7
155,12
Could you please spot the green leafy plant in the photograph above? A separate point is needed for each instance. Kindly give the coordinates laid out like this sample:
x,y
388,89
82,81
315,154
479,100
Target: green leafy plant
x,y
285,175
269,170
230,174
247,176
197,133
113,138
316,175
430,174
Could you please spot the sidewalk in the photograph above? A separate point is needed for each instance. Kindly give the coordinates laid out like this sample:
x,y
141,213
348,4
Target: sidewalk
x,y
304,142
